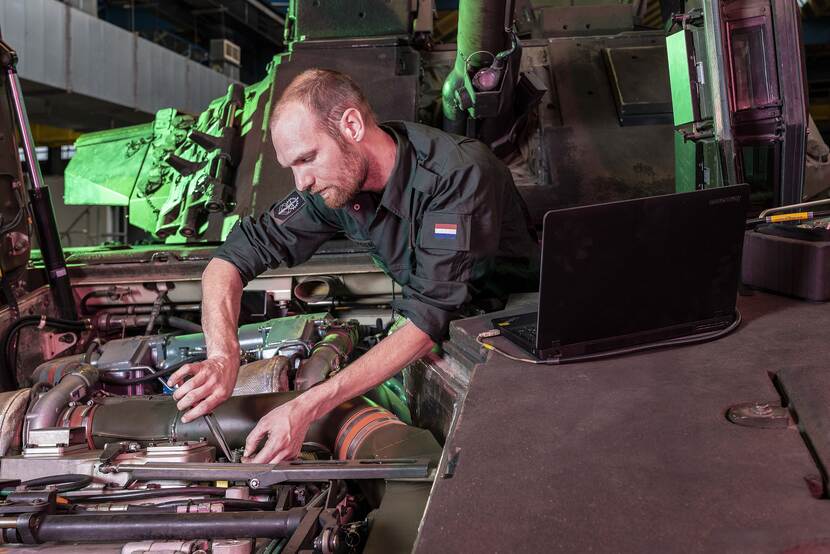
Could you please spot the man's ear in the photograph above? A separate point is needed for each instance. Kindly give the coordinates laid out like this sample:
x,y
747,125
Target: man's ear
x,y
352,125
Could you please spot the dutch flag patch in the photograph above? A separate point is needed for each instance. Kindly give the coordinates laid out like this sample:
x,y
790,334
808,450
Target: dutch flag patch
x,y
445,230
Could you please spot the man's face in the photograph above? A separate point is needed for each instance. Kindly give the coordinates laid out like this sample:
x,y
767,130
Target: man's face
x,y
320,164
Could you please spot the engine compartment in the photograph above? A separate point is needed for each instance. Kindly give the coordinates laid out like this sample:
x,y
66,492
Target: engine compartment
x,y
93,451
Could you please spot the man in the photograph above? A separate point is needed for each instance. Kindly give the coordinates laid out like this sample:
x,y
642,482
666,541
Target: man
x,y
439,212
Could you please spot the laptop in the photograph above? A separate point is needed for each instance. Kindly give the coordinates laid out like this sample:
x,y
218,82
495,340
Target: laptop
x,y
634,272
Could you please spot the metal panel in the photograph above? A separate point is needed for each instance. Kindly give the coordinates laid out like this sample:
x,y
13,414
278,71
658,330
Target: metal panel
x,y
681,74
592,157
327,19
640,83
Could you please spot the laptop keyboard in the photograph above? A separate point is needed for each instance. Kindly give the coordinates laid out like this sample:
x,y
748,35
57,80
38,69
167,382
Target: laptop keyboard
x,y
523,326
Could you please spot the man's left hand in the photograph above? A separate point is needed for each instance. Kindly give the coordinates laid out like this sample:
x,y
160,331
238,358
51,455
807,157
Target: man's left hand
x,y
283,430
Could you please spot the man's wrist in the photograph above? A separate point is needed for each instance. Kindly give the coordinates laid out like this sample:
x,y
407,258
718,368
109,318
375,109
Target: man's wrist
x,y
320,399
231,354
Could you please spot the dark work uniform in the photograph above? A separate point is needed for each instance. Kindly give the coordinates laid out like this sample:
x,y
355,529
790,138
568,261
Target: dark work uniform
x,y
449,227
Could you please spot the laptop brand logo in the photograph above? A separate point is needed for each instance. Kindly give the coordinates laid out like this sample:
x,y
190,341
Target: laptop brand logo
x,y
725,200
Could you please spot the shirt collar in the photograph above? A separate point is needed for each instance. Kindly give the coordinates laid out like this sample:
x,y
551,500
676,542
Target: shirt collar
x,y
393,198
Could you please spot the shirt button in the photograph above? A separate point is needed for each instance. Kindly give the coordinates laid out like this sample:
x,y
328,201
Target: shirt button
x,y
356,207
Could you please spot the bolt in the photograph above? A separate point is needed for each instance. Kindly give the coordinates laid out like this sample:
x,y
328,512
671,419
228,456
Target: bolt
x,y
253,483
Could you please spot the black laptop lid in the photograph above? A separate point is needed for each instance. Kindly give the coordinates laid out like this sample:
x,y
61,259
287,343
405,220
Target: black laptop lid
x,y
628,267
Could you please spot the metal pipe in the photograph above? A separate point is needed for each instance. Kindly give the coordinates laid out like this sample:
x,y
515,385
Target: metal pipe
x,y
794,207
353,428
8,522
133,527
328,355
41,203
481,26
46,409
143,308
105,321
23,119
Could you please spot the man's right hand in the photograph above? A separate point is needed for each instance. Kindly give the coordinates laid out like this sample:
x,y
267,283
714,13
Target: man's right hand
x,y
211,383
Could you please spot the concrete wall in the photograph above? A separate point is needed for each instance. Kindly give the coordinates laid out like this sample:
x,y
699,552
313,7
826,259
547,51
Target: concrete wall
x,y
69,49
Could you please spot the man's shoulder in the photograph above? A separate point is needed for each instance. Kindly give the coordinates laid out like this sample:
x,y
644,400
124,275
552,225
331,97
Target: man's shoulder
x,y
443,152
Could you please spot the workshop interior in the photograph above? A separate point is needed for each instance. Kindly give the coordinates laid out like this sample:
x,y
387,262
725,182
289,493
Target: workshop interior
x,y
134,135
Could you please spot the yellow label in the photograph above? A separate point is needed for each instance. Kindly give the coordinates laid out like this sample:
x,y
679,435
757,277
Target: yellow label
x,y
222,484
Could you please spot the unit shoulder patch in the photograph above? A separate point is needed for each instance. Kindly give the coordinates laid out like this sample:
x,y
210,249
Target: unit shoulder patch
x,y
288,207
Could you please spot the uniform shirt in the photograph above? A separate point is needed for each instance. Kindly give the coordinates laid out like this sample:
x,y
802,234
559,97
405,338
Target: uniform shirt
x,y
449,227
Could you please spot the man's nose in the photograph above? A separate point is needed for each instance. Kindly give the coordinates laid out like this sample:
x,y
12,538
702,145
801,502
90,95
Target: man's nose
x,y
303,180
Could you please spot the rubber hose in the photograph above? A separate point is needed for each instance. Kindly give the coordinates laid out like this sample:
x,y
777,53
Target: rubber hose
x,y
65,483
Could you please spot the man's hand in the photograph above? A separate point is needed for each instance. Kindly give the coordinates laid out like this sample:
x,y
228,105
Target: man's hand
x,y
210,384
284,428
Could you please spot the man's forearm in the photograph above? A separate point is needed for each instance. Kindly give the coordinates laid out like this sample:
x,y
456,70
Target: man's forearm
x,y
221,295
380,363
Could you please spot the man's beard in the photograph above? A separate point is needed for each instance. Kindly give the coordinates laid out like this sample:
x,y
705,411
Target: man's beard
x,y
352,178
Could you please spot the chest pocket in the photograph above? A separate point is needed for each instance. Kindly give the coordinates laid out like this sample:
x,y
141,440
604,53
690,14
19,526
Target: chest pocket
x,y
445,231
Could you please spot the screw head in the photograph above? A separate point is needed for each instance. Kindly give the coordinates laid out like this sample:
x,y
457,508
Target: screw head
x,y
254,483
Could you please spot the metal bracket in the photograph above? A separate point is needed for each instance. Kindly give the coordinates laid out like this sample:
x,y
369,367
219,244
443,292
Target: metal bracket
x,y
266,475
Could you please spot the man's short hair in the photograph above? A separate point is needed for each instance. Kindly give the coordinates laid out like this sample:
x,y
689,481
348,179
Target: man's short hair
x,y
327,94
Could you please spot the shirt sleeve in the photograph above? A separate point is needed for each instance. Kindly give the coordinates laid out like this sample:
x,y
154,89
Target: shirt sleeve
x,y
458,235
257,244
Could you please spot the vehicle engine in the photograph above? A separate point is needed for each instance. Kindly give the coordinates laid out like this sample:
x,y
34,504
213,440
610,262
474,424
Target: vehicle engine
x,y
94,449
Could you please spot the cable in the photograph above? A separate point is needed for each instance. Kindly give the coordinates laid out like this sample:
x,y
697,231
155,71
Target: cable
x,y
703,337
104,378
8,359
148,493
236,503
65,483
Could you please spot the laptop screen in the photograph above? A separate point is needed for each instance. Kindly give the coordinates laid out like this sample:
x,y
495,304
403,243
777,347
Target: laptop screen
x,y
627,267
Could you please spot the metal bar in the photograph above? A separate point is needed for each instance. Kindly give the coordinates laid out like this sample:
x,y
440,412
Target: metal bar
x,y
794,207
132,527
266,475
25,129
268,13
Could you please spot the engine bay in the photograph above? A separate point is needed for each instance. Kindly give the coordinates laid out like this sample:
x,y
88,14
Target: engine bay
x,y
93,450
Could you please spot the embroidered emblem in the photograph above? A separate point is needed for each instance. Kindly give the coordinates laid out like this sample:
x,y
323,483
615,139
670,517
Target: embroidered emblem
x,y
445,230
286,208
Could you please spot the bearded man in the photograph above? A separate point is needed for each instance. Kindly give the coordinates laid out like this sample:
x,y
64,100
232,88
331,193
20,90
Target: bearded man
x,y
439,212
